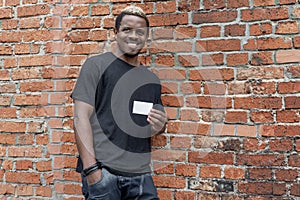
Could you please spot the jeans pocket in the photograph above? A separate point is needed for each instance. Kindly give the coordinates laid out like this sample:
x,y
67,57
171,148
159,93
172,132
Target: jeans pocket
x,y
101,190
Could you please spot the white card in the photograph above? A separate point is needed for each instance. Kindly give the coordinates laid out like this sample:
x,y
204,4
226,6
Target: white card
x,y
142,108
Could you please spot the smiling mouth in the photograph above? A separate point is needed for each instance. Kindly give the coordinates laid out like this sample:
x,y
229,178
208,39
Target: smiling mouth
x,y
132,45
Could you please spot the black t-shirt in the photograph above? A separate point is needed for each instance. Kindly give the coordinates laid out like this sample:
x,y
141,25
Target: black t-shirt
x,y
112,86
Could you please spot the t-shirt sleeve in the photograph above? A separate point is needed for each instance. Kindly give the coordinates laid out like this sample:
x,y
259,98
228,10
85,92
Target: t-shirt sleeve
x,y
85,87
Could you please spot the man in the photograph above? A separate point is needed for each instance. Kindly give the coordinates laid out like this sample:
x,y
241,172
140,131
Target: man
x,y
117,108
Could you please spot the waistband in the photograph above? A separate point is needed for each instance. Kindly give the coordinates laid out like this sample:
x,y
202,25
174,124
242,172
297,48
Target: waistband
x,y
117,172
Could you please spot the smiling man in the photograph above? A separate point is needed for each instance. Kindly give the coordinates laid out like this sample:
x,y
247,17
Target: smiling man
x,y
117,108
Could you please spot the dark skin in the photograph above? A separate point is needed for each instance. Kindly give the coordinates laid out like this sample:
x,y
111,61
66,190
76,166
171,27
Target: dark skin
x,y
130,38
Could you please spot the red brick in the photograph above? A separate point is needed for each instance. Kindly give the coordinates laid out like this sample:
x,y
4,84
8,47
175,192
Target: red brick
x,y
174,47
260,173
164,194
44,191
165,7
289,87
189,115
208,102
260,73
287,116
26,11
190,87
100,10
260,160
212,59
182,195
235,30
287,56
253,144
23,177
294,71
279,130
168,19
12,127
188,128
258,3
256,188
210,172
262,116
8,113
211,74
27,48
188,60
234,173
27,23
6,13
224,130
262,58
165,61
163,168
44,166
10,24
5,50
210,158
287,27
236,116
28,152
214,16
286,174
186,170
188,5
261,29
218,45
212,116
185,32
180,142
237,59
263,87
260,14
292,102
295,189
268,44
237,4
238,88
259,102
159,140
24,165
294,160
210,31
67,188
169,182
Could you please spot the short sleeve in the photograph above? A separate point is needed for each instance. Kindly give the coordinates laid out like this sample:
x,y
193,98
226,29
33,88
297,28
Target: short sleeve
x,y
86,85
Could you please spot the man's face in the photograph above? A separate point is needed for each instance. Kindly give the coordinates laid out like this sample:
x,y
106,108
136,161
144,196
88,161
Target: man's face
x,y
132,35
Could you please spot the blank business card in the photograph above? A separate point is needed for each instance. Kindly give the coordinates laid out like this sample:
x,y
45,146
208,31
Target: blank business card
x,y
142,108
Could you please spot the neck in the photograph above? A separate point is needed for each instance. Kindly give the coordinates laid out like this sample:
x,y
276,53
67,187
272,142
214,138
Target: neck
x,y
132,60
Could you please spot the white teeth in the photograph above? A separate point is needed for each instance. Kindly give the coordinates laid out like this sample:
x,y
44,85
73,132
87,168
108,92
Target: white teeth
x,y
132,45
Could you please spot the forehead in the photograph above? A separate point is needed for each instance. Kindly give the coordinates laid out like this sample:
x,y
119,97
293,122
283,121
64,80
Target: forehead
x,y
133,21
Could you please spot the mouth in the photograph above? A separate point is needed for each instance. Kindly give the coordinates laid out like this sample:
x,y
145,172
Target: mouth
x,y
132,45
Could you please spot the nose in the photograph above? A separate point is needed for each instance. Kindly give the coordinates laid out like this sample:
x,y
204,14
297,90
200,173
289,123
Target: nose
x,y
133,34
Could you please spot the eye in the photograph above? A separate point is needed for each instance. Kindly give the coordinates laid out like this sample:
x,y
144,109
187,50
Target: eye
x,y
126,30
140,32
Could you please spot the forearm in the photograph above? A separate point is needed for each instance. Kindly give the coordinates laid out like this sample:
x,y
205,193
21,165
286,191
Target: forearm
x,y
83,133
84,141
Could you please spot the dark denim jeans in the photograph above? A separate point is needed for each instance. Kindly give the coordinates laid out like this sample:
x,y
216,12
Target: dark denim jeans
x,y
116,187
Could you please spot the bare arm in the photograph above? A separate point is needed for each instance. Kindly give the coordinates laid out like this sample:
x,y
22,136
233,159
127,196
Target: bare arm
x,y
84,135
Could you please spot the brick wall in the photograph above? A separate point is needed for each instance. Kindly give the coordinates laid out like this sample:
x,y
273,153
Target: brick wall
x,y
230,73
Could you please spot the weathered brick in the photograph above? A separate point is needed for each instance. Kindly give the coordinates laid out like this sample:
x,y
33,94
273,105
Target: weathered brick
x,y
214,17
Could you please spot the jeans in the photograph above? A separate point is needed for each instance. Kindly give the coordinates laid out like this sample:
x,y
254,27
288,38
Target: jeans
x,y
116,187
